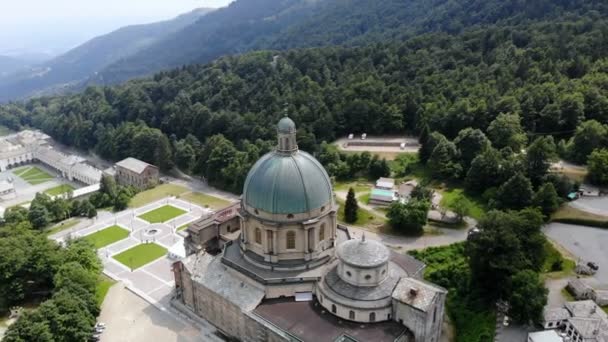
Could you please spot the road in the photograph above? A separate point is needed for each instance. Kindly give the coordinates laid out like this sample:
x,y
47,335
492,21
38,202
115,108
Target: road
x,y
595,205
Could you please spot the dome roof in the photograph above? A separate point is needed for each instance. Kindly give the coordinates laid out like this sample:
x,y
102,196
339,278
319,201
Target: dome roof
x,y
282,183
363,253
286,125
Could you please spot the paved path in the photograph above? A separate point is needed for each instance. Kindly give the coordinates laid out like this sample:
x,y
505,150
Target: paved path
x,y
129,318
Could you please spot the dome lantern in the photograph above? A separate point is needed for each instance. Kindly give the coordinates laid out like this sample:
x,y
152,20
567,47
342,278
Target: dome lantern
x,y
286,134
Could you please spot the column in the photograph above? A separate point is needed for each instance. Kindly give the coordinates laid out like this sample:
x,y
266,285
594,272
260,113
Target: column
x,y
306,254
275,245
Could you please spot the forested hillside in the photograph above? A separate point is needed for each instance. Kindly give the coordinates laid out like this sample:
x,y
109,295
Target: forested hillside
x,y
548,75
270,24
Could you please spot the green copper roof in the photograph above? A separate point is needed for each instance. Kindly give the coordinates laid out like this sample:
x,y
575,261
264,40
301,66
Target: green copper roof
x,y
287,184
286,125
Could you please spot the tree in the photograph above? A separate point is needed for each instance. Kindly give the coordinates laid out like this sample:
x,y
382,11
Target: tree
x,y
470,143
598,167
538,158
408,218
379,168
516,193
29,327
15,214
444,161
108,186
351,208
589,136
506,131
507,242
546,199
428,145
485,171
461,206
39,216
528,297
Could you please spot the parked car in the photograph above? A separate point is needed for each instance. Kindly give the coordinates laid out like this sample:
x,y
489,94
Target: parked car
x,y
592,265
363,136
505,321
351,136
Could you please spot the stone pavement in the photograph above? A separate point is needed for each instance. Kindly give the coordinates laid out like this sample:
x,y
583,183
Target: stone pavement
x,y
154,281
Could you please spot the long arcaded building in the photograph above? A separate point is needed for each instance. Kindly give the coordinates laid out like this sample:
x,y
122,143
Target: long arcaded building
x,y
30,146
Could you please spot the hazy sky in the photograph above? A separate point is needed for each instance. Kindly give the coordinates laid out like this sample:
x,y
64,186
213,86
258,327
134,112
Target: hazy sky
x,y
60,24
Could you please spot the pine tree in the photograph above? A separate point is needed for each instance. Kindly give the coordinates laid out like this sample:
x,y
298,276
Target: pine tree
x,y
351,207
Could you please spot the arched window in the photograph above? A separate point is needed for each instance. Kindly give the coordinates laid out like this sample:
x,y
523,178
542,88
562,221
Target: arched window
x,y
333,308
348,273
372,316
258,236
322,232
351,315
368,277
291,240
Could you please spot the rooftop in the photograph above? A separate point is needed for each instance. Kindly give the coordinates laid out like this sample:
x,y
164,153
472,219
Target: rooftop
x,y
363,253
555,314
364,293
308,321
133,164
545,336
417,293
209,271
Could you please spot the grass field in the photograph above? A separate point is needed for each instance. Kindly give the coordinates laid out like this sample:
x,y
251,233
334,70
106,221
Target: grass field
x,y
103,286
554,258
61,226
155,194
450,196
107,236
365,218
568,214
33,175
162,214
358,186
204,200
140,255
58,190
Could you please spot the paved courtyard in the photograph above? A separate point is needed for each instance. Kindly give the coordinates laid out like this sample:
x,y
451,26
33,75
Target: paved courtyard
x,y
152,281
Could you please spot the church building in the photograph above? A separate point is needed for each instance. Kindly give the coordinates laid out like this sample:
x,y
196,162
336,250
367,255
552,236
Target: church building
x,y
278,267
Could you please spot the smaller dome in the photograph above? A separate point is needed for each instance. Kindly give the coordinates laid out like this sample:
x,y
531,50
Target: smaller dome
x,y
286,125
363,253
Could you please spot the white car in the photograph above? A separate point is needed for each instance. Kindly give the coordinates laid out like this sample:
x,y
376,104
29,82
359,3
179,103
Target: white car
x,y
363,136
505,321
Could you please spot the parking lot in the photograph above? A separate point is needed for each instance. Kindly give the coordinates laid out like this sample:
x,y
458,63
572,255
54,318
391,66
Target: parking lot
x,y
583,242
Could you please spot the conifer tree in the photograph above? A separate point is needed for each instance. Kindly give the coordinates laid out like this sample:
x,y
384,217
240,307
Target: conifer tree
x,y
351,207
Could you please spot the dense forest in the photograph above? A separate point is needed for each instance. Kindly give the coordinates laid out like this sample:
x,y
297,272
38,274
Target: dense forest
x,y
216,119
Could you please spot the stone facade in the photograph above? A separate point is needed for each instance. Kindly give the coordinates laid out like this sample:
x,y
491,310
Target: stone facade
x,y
136,173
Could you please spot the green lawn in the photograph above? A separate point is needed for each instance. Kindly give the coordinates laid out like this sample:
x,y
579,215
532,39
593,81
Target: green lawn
x,y
556,265
357,185
140,255
61,226
107,236
568,214
567,295
58,190
162,214
155,194
365,218
364,198
205,200
103,286
33,175
450,195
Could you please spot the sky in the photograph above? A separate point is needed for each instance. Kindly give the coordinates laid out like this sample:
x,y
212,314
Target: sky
x,y
55,26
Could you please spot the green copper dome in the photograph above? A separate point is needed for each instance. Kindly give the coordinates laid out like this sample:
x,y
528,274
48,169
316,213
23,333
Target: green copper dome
x,y
286,125
282,183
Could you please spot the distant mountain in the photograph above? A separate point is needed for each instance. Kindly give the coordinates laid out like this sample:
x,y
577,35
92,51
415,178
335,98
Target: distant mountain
x,y
9,65
84,61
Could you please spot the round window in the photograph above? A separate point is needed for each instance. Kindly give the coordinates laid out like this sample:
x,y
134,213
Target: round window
x,y
368,277
348,273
